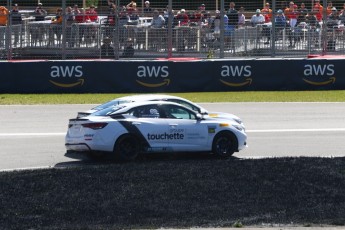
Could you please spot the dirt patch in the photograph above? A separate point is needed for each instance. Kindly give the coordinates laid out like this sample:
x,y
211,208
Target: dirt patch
x,y
178,191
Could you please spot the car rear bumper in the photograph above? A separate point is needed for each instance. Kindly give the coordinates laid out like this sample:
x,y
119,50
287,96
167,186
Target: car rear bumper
x,y
78,147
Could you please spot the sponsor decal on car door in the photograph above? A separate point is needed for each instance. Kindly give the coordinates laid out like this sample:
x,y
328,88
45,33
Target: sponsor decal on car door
x,y
189,134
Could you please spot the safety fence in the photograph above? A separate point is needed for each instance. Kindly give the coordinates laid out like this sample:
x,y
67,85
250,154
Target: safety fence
x,y
123,31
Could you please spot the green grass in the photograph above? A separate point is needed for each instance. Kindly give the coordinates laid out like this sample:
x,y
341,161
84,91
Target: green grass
x,y
271,96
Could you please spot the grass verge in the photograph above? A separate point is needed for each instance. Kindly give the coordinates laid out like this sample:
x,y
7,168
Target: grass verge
x,y
251,96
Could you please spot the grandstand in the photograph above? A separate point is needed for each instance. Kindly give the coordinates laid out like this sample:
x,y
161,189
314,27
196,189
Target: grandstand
x,y
127,28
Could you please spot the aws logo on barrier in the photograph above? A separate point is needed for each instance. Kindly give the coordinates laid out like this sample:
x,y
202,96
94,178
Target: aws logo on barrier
x,y
319,75
66,76
236,76
153,76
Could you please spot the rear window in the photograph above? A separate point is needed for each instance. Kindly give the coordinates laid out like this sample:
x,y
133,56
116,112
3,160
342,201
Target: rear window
x,y
108,111
111,103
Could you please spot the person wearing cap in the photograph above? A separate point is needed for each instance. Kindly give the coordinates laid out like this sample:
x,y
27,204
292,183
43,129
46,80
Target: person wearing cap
x,y
318,10
215,24
257,18
40,13
333,18
147,8
267,13
202,8
280,24
182,18
16,22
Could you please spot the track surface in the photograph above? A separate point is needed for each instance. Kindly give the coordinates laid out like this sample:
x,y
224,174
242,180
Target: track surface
x,y
33,135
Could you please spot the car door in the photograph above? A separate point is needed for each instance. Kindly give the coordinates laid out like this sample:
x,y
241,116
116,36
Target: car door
x,y
152,126
186,131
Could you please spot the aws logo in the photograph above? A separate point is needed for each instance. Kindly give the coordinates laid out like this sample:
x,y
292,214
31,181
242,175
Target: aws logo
x,y
236,76
67,76
153,76
319,75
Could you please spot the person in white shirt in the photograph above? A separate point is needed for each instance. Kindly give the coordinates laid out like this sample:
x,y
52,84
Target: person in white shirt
x,y
156,33
257,18
241,17
158,20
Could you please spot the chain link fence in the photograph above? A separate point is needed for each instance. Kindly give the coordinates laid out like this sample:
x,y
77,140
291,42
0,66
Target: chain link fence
x,y
116,29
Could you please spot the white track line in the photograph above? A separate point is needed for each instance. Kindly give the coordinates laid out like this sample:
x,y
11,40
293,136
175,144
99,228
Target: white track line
x,y
295,130
31,134
248,131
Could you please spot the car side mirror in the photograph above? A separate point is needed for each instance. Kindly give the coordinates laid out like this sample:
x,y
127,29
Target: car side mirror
x,y
199,116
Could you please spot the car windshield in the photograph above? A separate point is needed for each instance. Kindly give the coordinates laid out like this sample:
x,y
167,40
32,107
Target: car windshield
x,y
108,111
111,104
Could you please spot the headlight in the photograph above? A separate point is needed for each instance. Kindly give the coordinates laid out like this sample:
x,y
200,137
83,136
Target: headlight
x,y
238,127
239,121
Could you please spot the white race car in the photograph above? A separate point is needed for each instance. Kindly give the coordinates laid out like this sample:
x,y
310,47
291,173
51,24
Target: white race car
x,y
129,129
161,97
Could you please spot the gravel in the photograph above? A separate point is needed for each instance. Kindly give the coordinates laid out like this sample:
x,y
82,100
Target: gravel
x,y
176,191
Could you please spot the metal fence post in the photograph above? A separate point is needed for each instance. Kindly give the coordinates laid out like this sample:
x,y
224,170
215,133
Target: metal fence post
x,y
63,42
221,35
273,29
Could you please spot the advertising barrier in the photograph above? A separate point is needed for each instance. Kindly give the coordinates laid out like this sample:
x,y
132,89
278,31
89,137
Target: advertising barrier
x,y
107,76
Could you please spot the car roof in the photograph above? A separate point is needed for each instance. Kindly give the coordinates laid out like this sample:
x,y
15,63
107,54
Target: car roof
x,y
125,107
147,97
128,106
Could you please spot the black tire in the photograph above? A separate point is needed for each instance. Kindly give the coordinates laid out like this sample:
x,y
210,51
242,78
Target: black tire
x,y
224,144
127,147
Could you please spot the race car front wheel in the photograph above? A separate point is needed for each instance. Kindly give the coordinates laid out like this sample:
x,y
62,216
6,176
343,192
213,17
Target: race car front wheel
x,y
224,144
126,147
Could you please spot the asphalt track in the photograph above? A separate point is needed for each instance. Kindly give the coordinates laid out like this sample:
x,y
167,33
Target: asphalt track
x,y
32,136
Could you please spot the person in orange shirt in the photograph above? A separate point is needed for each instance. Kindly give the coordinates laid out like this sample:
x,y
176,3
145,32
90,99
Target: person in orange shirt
x,y
291,14
57,26
267,12
4,12
329,8
317,9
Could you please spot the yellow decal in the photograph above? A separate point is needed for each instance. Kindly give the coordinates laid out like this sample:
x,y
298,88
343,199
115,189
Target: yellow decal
x,y
213,115
79,82
165,82
247,82
331,80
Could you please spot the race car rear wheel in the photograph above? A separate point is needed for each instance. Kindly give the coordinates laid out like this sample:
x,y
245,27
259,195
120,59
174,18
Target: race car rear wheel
x,y
127,147
224,144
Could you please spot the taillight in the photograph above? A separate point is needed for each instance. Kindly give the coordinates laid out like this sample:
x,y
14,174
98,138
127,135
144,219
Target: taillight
x,y
99,125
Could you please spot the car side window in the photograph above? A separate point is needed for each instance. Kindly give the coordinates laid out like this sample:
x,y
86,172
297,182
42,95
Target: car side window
x,y
184,103
171,111
147,111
